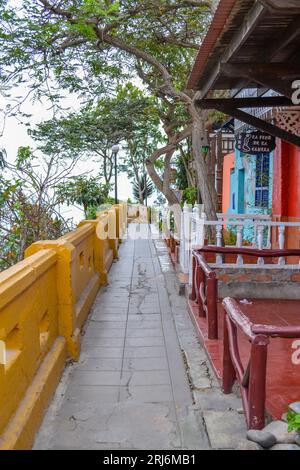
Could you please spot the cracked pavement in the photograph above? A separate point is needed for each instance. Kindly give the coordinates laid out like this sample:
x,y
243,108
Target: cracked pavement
x,y
142,380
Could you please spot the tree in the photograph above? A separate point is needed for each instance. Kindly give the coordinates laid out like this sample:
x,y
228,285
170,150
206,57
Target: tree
x,y
186,176
139,145
84,190
28,204
95,128
157,38
143,188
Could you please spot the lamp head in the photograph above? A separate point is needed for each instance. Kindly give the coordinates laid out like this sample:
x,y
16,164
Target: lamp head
x,y
115,148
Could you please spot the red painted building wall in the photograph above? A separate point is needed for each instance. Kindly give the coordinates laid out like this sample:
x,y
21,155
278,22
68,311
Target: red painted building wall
x,y
286,190
286,185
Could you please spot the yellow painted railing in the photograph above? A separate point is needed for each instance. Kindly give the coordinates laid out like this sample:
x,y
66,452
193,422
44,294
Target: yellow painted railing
x,y
44,301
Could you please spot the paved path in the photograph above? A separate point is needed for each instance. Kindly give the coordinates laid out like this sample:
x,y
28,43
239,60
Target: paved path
x,y
130,388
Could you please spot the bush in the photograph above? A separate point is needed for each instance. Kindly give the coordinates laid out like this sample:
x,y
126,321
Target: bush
x,y
293,420
189,195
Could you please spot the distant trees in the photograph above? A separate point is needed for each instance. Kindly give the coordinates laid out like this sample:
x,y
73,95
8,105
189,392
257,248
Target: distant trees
x,y
87,191
29,204
95,128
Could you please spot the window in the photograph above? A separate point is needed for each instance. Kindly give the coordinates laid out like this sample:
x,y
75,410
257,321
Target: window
x,y
233,201
262,180
227,145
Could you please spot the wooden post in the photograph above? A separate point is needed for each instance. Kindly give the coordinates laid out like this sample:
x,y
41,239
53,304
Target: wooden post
x,y
229,375
212,306
200,280
257,382
219,171
193,293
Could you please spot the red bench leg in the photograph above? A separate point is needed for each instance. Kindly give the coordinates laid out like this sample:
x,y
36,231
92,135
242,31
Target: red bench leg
x,y
228,369
212,312
257,382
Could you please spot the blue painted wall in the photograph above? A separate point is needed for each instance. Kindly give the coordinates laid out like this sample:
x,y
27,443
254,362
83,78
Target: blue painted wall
x,y
243,186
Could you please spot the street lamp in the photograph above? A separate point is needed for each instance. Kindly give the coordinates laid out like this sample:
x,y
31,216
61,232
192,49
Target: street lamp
x,y
115,149
205,147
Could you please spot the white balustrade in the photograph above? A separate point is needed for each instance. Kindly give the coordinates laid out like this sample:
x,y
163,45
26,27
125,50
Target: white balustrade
x,y
259,224
185,239
260,242
219,258
281,240
239,243
193,224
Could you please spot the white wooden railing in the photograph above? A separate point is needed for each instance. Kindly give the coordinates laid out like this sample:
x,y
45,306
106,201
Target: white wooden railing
x,y
259,241
251,230
194,226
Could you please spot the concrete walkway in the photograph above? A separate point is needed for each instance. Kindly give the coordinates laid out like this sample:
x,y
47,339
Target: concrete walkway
x,y
130,388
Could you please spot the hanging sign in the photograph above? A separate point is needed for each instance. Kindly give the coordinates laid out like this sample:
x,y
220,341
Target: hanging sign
x,y
255,142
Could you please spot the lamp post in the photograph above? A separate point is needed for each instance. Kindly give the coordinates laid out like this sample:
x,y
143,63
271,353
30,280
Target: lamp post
x,y
115,149
205,149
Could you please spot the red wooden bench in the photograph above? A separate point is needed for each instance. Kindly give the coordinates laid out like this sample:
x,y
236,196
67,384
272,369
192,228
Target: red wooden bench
x,y
252,377
205,281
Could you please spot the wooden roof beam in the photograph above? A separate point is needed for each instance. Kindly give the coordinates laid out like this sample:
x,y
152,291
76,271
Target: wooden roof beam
x,y
282,5
226,104
268,75
275,47
271,70
249,24
264,126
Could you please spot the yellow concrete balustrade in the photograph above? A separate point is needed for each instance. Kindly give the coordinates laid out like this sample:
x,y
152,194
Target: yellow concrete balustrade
x,y
44,301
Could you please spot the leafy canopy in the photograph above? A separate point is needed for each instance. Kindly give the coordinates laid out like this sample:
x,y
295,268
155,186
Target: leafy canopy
x,y
87,191
86,45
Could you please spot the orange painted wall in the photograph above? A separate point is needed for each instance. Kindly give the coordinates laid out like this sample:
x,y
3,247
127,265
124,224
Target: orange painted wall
x,y
228,165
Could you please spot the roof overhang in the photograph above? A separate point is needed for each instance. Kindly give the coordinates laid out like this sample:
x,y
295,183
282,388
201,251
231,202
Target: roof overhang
x,y
250,44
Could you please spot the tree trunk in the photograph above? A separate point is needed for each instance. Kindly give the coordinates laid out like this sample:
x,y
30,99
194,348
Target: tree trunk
x,y
207,189
167,192
141,192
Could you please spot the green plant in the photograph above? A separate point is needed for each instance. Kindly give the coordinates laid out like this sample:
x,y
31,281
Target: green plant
x,y
293,420
189,195
142,188
86,191
29,203
229,237
91,213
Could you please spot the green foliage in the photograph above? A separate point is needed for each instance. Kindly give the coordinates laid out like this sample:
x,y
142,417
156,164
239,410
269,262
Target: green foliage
x,y
230,237
91,213
24,156
293,420
189,195
88,191
27,206
91,48
66,42
90,133
143,188
181,179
